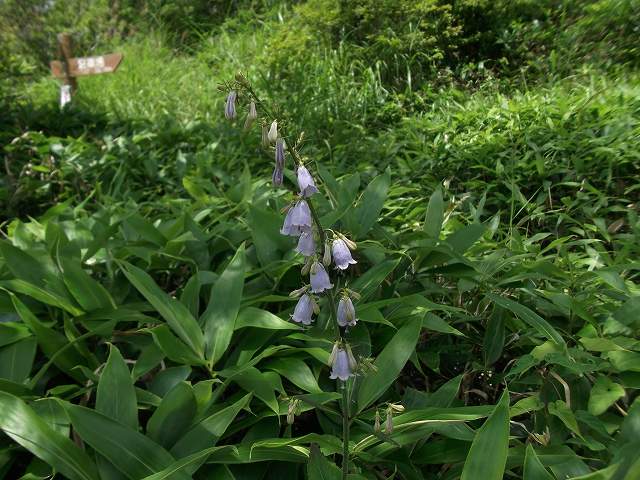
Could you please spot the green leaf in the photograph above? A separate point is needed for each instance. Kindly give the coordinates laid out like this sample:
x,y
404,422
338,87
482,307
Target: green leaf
x,y
433,322
51,341
389,363
561,410
488,454
625,361
22,424
16,360
42,295
319,468
604,393
220,316
129,451
89,294
370,204
494,337
258,318
174,415
116,395
435,215
175,313
461,240
209,430
174,348
11,332
528,316
194,459
533,468
296,371
253,380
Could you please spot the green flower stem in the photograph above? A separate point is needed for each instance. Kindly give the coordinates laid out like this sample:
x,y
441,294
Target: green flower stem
x,y
346,424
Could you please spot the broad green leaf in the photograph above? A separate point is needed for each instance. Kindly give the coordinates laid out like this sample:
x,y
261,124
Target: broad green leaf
x,y
533,468
258,318
461,240
433,322
367,283
16,360
435,214
116,396
174,415
42,295
219,318
89,294
209,430
27,429
494,337
389,363
175,313
253,380
319,468
50,341
193,459
174,348
129,451
528,316
296,371
488,454
561,410
370,204
604,393
625,361
12,332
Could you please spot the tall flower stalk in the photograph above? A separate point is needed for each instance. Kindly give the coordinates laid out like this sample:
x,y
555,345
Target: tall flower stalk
x,y
321,247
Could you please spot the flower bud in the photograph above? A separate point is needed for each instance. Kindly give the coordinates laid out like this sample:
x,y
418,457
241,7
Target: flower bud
x,y
265,136
230,106
307,265
351,244
251,116
388,424
353,365
299,291
273,132
376,422
326,258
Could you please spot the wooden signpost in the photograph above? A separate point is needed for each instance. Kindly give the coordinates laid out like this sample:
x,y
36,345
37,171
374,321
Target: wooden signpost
x,y
70,67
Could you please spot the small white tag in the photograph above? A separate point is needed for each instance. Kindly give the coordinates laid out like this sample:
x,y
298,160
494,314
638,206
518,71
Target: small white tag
x,y
65,95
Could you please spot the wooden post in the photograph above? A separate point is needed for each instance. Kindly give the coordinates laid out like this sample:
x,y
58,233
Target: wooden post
x,y
65,52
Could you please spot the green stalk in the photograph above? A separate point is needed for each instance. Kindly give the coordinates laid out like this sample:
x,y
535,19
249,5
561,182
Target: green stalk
x,y
345,429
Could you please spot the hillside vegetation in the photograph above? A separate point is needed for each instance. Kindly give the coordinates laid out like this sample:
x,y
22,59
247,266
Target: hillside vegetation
x,y
482,154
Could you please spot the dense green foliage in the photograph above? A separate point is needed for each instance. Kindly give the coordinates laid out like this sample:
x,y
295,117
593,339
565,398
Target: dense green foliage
x,y
483,155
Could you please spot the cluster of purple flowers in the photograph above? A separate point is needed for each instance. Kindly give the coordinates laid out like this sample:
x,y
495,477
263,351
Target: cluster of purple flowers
x,y
299,222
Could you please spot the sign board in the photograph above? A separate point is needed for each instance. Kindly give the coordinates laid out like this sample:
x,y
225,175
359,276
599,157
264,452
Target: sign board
x,y
82,66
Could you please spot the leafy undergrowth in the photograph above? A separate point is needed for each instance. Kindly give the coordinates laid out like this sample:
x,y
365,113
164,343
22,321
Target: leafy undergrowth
x,y
144,312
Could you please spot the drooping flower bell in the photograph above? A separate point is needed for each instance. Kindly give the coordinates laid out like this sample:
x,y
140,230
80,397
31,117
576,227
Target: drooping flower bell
x,y
305,182
251,116
342,366
273,132
304,309
319,278
341,254
306,244
346,312
298,219
230,106
265,136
